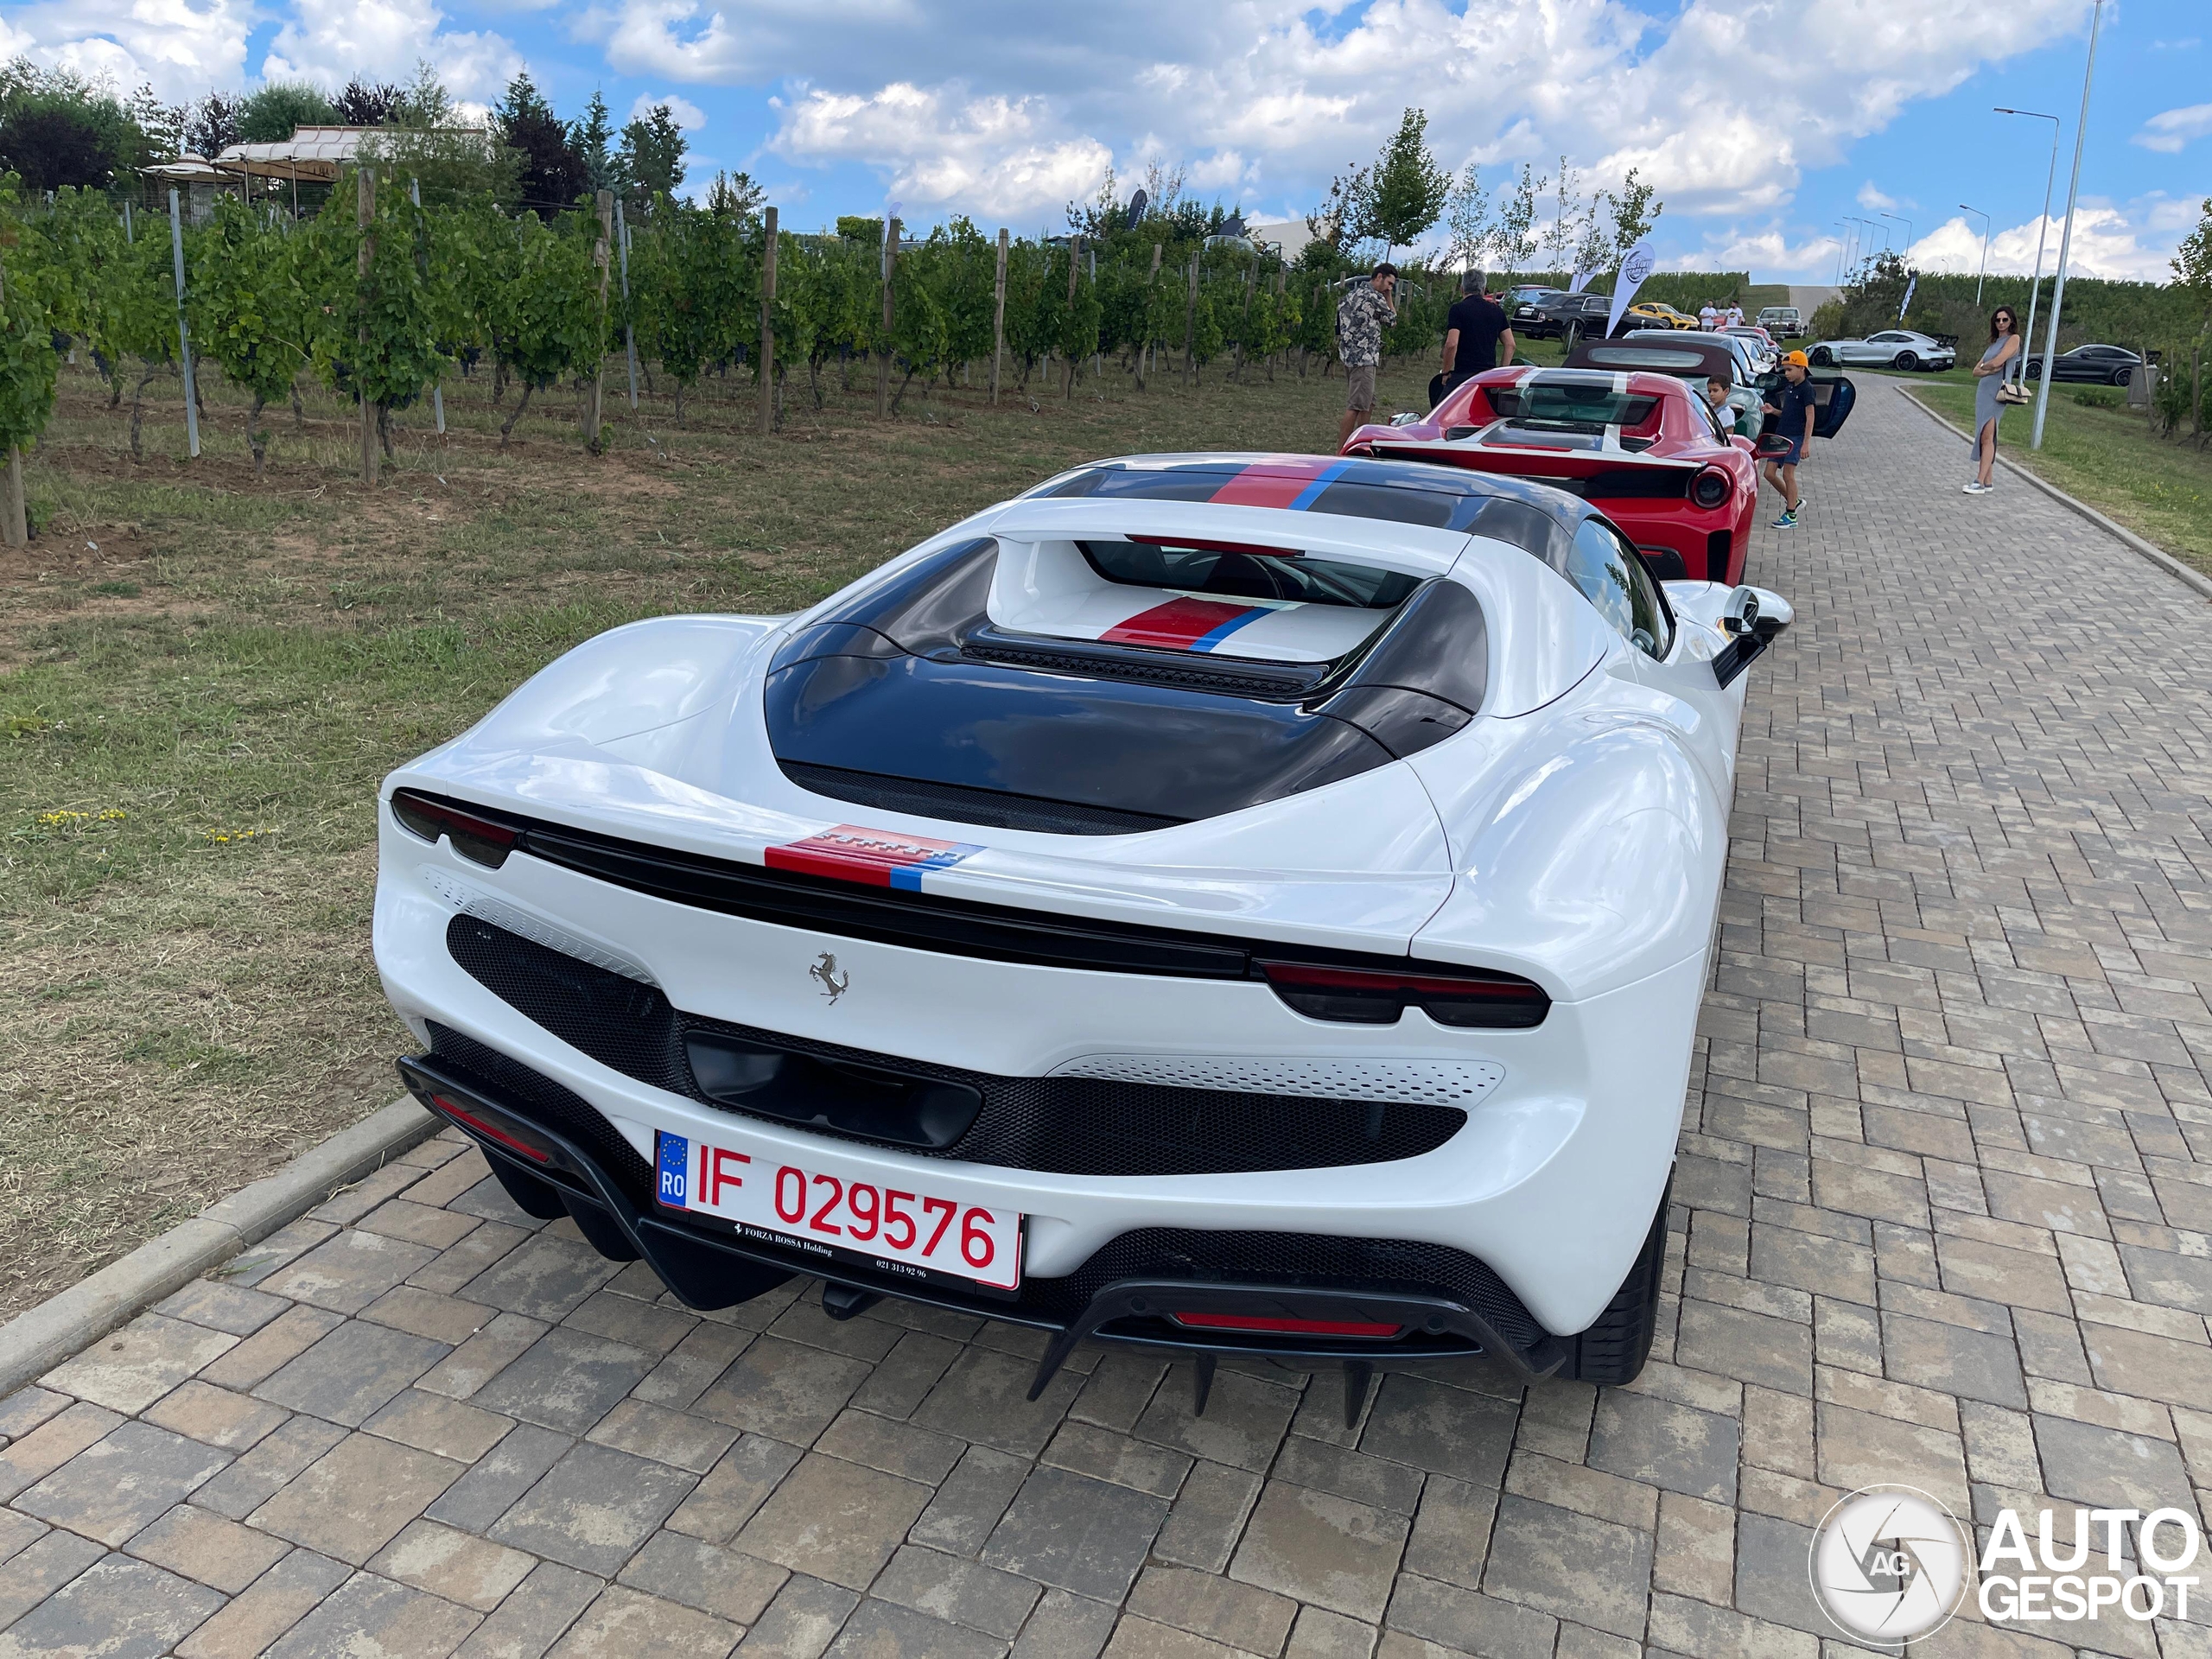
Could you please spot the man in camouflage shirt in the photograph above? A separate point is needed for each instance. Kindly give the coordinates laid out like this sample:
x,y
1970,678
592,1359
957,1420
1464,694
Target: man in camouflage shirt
x,y
1362,315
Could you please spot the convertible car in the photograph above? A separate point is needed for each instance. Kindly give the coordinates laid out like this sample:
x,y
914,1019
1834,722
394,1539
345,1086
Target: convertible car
x,y
1235,904
1642,445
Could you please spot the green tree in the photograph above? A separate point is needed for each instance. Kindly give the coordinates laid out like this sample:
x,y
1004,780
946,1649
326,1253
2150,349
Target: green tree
x,y
276,111
552,173
650,160
1634,211
593,138
2192,261
248,313
1513,244
1409,189
56,129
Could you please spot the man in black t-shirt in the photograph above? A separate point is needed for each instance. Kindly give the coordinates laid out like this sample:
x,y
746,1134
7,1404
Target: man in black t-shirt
x,y
1473,330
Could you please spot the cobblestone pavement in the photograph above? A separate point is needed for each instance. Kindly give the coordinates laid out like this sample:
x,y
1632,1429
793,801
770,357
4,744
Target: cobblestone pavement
x,y
1944,1216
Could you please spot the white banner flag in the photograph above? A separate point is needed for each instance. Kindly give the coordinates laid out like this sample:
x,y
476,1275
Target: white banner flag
x,y
1911,283
1581,280
1634,270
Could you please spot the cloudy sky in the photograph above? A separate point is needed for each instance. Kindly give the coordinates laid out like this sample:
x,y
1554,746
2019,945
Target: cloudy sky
x,y
1764,122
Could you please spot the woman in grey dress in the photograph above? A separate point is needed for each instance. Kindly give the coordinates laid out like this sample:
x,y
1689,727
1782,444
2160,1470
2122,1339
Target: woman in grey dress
x,y
1989,374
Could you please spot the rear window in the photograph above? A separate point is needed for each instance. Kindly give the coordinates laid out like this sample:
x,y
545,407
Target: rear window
x,y
1643,357
1249,574
1571,408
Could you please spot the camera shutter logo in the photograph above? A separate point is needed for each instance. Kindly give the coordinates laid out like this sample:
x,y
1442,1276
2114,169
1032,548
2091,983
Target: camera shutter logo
x,y
1889,1564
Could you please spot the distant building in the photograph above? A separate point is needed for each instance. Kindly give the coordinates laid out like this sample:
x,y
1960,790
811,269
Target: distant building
x,y
1288,238
310,155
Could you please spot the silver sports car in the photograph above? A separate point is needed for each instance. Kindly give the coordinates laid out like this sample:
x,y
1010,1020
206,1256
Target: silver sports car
x,y
1893,348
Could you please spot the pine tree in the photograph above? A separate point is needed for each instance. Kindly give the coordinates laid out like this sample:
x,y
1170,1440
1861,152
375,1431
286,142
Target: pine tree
x,y
651,157
593,139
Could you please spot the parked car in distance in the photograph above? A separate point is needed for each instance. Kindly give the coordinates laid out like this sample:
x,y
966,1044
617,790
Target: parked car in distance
x,y
1764,349
1782,321
1640,446
1551,318
1657,313
1665,352
2096,365
1528,293
1893,348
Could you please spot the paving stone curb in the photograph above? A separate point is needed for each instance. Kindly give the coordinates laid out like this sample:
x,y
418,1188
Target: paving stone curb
x,y
2157,556
32,1343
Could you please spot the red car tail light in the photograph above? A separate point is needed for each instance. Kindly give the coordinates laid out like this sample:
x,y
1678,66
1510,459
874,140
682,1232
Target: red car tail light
x,y
484,1126
482,839
1372,1330
1372,996
1710,487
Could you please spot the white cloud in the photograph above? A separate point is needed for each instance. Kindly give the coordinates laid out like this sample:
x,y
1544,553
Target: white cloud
x,y
180,48
686,114
2108,242
2173,129
1293,92
942,148
330,41
1872,200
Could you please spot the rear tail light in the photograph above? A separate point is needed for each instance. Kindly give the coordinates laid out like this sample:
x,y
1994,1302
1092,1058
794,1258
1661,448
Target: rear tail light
x,y
1371,996
1372,1330
535,1150
1710,488
485,841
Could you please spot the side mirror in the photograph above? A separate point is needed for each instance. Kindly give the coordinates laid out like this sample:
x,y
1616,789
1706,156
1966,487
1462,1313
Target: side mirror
x,y
1740,612
1751,618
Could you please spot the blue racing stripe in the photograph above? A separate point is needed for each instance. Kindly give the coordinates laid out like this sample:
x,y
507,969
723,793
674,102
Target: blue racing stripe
x,y
1328,476
1208,640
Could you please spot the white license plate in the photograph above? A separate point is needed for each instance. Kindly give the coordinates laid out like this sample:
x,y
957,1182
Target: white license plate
x,y
916,1233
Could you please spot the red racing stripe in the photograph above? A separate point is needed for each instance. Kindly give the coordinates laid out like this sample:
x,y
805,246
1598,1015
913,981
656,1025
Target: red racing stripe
x,y
1271,483
1177,625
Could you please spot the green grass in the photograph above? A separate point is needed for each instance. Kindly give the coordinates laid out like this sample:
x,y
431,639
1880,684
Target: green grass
x,y
203,678
2099,451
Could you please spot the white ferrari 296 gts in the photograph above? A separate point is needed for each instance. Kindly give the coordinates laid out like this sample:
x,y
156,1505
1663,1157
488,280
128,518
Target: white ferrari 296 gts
x,y
1237,903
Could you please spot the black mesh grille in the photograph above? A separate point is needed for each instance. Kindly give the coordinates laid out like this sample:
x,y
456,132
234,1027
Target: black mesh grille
x,y
1070,1126
1143,671
1380,1264
959,804
556,1108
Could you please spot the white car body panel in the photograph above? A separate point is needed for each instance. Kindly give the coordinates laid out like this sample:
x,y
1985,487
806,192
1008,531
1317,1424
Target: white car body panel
x,y
1573,833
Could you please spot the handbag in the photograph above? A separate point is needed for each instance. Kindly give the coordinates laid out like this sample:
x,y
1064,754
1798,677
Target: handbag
x,y
2012,392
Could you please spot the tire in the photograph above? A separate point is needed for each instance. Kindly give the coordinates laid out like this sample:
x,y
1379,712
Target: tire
x,y
2121,377
1906,361
1821,357
1613,1349
2034,370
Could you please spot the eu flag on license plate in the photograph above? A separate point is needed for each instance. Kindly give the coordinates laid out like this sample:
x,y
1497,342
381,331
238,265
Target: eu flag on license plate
x,y
675,1161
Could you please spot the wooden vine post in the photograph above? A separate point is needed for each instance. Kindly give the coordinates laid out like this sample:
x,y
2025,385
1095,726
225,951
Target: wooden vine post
x,y
1075,260
1191,326
15,525
365,215
595,392
1144,345
883,357
768,327
998,317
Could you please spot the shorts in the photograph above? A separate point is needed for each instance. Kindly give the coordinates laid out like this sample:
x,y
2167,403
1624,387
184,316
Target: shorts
x,y
1359,387
1788,457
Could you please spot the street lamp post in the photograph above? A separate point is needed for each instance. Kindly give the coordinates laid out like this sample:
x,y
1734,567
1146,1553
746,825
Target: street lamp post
x,y
1903,221
2066,236
2042,226
1985,223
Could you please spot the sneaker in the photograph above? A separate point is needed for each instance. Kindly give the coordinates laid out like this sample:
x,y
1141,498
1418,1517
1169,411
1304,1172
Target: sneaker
x,y
1787,521
1976,488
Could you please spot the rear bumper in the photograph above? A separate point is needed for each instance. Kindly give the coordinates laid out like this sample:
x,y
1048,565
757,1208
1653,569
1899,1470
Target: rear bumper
x,y
709,1268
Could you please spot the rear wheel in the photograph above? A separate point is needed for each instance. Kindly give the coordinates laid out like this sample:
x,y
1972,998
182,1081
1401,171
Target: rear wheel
x,y
1613,1349
1821,357
2121,377
1906,361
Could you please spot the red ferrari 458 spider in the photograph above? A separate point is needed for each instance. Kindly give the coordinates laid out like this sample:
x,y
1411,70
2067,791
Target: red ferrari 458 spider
x,y
1642,447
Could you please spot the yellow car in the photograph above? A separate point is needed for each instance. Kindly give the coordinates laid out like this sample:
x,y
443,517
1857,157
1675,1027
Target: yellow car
x,y
1656,313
